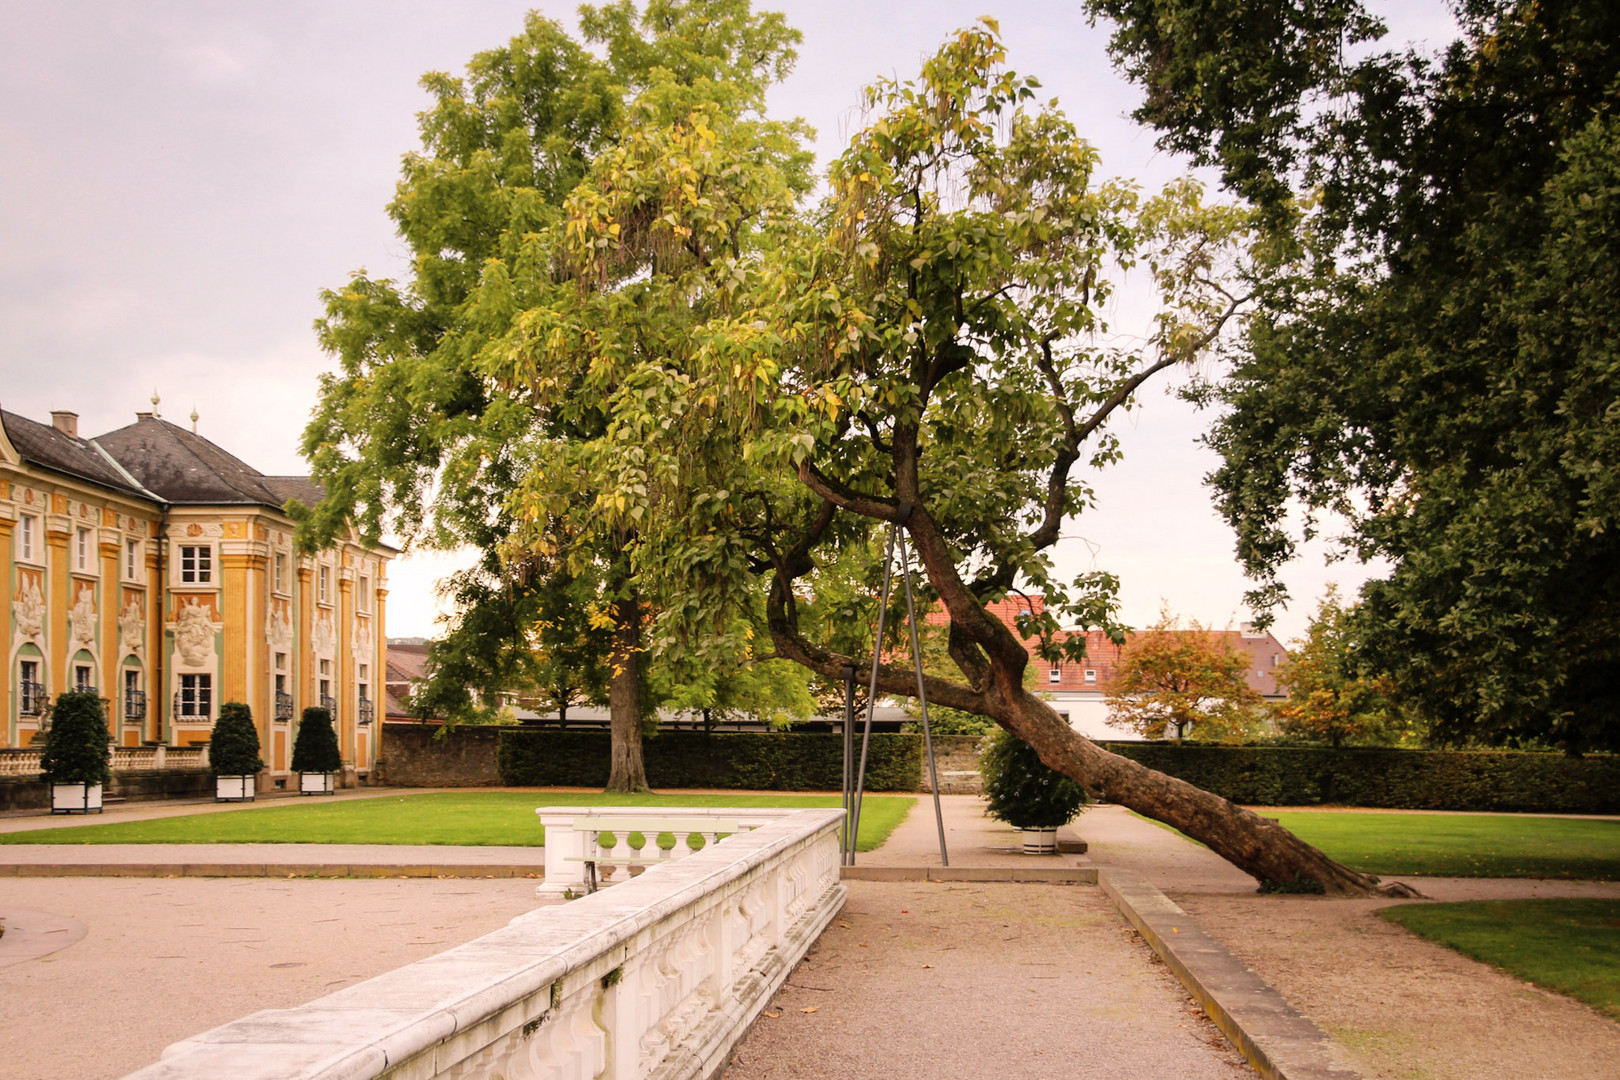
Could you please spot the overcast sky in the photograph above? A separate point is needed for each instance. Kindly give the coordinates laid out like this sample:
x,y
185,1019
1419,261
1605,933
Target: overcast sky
x,y
181,179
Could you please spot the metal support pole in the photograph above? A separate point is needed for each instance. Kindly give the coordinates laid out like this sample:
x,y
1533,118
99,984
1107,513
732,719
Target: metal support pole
x,y
922,700
871,695
847,838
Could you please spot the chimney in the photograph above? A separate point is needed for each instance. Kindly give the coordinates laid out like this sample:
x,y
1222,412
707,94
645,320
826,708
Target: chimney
x,y
143,416
66,422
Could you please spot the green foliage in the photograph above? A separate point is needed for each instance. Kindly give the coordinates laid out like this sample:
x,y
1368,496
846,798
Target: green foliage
x,y
315,747
695,759
1329,698
1021,790
234,748
1567,946
773,692
503,819
1435,363
1171,680
77,746
1388,777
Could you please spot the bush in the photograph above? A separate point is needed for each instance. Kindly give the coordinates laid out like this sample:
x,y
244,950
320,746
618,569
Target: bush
x,y
77,746
315,749
234,748
1022,790
1494,780
763,761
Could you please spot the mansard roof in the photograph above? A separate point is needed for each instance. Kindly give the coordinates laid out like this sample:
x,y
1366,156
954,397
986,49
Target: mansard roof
x,y
44,446
184,468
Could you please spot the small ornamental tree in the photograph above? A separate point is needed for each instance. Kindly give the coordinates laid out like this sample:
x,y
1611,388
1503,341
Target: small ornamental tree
x,y
1330,698
1171,680
315,750
234,748
77,744
1023,791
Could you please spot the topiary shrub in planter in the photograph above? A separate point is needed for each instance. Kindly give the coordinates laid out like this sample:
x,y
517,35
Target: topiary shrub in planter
x,y
316,757
77,753
233,753
1021,790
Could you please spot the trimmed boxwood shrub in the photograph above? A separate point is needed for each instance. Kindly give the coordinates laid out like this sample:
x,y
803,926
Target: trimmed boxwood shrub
x,y
764,761
315,748
1022,790
1499,780
77,746
234,748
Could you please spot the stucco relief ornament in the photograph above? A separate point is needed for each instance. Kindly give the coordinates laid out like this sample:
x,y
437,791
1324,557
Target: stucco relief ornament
x,y
29,611
362,639
278,628
82,617
322,638
132,628
194,633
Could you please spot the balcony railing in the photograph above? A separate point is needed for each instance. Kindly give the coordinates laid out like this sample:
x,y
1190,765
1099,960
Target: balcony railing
x,y
134,704
367,711
329,703
33,699
284,706
192,709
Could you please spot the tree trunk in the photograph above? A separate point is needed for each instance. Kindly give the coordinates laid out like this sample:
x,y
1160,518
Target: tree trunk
x,y
1263,849
627,772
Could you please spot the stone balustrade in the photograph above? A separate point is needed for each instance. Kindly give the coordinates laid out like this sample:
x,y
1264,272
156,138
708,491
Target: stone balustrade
x,y
572,831
24,761
657,977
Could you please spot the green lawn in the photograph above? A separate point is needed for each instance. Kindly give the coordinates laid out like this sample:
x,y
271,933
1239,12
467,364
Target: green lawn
x,y
1463,845
1569,946
474,818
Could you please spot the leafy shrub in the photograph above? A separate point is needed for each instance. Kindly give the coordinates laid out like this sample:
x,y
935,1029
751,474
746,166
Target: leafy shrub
x,y
234,748
315,749
764,761
77,746
1022,790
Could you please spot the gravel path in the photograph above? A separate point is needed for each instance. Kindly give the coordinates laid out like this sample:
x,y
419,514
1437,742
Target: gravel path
x,y
917,981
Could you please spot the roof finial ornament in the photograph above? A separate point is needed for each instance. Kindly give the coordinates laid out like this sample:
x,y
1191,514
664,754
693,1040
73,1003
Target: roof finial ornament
x,y
155,400
194,419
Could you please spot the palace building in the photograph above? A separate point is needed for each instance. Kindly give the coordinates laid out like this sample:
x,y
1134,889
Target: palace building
x,y
154,567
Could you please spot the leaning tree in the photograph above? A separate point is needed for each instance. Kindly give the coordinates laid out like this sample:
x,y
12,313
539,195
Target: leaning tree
x,y
928,349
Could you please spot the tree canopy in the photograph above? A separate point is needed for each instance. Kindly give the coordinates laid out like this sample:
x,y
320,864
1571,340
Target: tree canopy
x,y
1437,363
1173,681
1330,698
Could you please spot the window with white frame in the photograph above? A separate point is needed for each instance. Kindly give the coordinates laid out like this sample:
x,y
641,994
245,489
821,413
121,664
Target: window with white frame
x,y
196,564
364,599
31,696
81,550
1091,675
196,698
27,538
1055,675
132,560
83,678
323,584
325,680
280,572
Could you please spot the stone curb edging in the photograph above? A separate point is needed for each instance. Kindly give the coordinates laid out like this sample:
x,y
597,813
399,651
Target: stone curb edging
x,y
262,870
1060,875
1271,1034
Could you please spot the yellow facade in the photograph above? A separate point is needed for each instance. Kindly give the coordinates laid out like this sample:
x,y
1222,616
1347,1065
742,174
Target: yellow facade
x,y
170,609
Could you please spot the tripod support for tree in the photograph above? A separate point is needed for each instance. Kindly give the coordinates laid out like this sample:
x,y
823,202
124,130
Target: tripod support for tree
x,y
855,779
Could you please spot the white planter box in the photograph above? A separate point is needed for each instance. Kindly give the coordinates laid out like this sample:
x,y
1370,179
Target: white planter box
x,y
316,783
236,788
1040,841
75,798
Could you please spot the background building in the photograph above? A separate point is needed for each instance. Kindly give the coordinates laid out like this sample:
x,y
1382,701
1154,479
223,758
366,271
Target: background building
x,y
152,566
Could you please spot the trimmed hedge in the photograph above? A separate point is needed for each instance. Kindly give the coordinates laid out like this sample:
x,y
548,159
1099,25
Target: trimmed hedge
x,y
1502,780
761,761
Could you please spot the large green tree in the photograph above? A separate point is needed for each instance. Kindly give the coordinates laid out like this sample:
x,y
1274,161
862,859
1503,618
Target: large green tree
x,y
1438,363
484,373
929,350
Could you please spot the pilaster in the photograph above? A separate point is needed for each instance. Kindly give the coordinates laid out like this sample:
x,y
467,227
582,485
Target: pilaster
x,y
107,607
8,572
236,573
58,533
345,662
